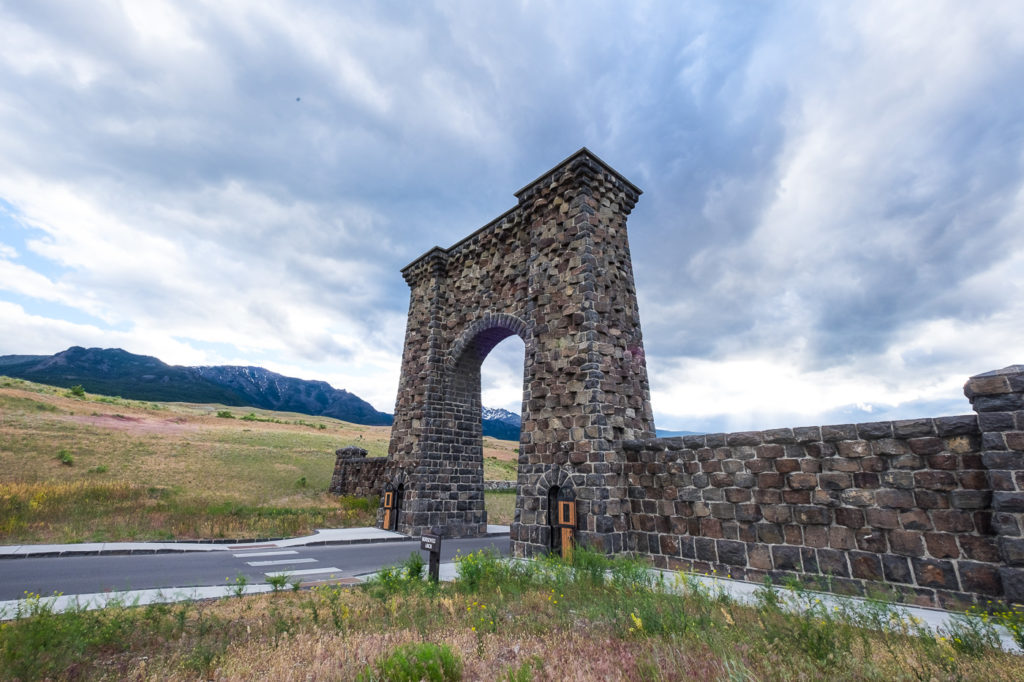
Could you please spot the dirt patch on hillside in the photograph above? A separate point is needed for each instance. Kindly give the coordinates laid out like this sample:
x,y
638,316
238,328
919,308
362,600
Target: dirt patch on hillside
x,y
133,424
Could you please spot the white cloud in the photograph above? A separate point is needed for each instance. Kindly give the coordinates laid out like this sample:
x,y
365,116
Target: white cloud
x,y
832,208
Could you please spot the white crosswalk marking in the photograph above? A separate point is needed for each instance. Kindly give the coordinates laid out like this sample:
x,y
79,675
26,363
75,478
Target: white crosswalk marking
x,y
273,553
308,571
281,562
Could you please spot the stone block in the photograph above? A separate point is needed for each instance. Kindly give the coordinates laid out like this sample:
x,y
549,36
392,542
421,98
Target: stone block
x,y
854,448
759,556
770,533
812,515
807,434
913,428
978,548
883,518
1012,550
832,562
874,430
732,553
936,480
841,538
995,421
858,498
870,540
1005,523
834,480
1003,459
936,573
849,517
1013,584
866,566
915,519
930,499
906,462
907,543
926,446
786,466
894,499
980,578
903,480
956,426
786,558
743,438
941,545
897,569
838,432
705,549
801,481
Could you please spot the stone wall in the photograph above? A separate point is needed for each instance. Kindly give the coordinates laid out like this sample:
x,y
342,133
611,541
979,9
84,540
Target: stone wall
x,y
928,508
359,475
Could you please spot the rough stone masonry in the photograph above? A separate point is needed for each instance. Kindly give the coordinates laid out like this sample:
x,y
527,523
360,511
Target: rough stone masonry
x,y
927,509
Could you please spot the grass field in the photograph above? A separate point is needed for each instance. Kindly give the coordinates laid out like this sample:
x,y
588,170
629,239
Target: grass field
x,y
97,468
598,619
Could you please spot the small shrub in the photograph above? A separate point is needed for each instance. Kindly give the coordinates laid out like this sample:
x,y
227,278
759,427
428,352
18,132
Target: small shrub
x,y
99,469
414,566
65,457
238,588
301,483
278,582
77,391
225,414
414,662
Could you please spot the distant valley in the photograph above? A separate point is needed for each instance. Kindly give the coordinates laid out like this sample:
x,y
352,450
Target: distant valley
x,y
112,371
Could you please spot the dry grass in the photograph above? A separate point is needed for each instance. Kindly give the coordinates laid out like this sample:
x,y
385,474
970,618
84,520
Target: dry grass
x,y
141,470
541,622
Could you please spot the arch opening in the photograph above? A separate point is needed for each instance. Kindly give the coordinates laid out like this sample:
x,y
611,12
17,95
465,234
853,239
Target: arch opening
x,y
504,352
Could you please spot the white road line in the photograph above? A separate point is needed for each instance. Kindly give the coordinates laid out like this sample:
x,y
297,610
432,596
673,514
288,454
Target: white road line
x,y
281,562
275,553
308,571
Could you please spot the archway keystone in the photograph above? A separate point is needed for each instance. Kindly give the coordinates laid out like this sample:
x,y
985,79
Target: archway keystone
x,y
556,271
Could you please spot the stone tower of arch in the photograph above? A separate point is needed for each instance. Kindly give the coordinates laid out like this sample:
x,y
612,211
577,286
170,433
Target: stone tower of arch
x,y
556,271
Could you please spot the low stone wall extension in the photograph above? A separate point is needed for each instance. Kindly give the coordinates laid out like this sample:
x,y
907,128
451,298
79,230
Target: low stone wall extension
x,y
359,475
929,509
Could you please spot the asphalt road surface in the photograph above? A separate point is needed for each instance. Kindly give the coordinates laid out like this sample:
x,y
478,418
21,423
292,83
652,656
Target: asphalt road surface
x,y
90,574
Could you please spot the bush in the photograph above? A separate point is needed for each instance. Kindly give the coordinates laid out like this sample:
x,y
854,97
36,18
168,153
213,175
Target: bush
x,y
225,414
77,390
65,457
414,662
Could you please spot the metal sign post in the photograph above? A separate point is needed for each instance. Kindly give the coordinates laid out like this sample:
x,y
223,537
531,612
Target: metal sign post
x,y
432,543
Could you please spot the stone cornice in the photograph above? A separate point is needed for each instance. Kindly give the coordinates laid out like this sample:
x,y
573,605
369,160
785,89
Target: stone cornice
x,y
583,168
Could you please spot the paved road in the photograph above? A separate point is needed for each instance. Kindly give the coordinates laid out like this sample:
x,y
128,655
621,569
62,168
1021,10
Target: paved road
x,y
91,574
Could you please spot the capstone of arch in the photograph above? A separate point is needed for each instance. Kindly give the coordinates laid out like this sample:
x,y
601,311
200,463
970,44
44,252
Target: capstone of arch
x,y
554,270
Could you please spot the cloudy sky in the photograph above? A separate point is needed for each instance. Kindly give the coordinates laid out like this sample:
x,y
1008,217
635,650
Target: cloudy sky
x,y
832,225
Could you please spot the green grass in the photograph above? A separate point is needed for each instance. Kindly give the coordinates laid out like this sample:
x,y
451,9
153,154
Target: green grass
x,y
594,619
262,474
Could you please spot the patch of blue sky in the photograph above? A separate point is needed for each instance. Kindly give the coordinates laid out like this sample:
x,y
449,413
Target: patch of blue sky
x,y
16,233
59,311
214,348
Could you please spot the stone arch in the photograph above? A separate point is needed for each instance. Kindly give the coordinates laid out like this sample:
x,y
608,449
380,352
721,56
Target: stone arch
x,y
555,270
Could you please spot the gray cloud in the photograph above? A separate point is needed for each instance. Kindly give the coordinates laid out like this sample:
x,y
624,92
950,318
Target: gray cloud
x,y
833,190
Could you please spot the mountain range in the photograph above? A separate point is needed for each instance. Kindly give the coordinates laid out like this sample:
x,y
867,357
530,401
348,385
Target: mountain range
x,y
113,371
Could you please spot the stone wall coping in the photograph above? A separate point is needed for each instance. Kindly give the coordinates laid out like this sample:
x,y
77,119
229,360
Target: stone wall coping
x,y
902,428
581,152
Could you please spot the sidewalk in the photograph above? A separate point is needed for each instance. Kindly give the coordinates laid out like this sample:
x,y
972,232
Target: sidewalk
x,y
328,536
